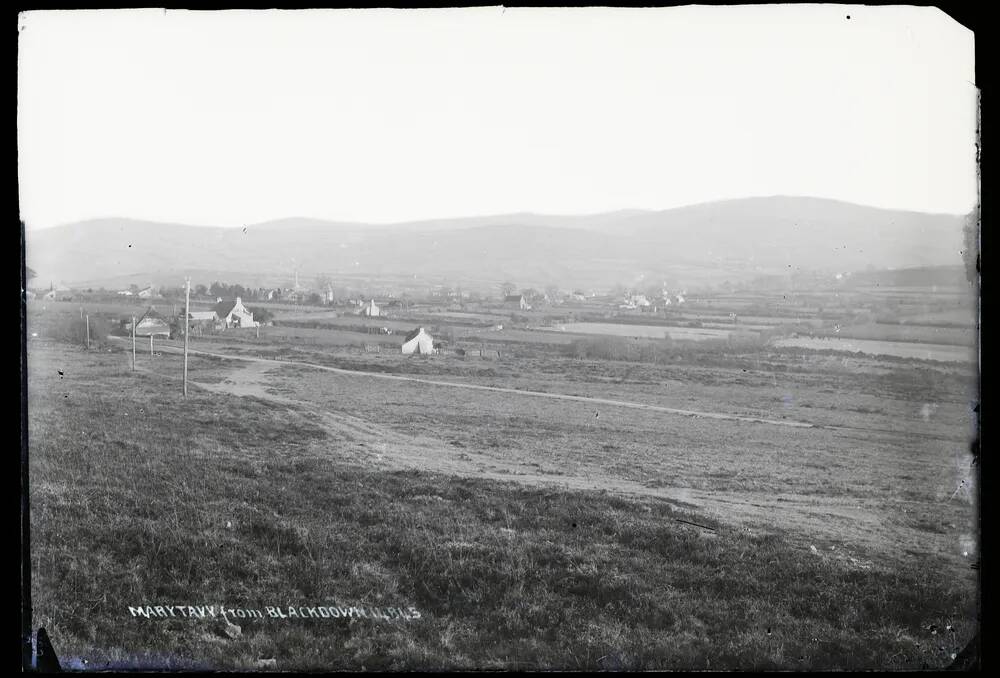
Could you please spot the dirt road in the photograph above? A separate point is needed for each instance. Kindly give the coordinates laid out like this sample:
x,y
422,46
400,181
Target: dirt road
x,y
497,389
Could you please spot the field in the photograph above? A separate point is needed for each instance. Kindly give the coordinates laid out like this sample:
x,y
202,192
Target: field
x,y
740,507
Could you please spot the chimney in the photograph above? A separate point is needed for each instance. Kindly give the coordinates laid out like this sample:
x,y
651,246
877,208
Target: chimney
x,y
238,300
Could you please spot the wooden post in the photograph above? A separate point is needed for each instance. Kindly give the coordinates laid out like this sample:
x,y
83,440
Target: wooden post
x,y
150,346
88,331
133,343
187,330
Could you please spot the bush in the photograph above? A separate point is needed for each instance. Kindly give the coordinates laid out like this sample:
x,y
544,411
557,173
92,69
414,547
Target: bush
x,y
73,330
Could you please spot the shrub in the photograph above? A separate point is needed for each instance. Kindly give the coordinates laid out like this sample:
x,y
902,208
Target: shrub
x,y
73,330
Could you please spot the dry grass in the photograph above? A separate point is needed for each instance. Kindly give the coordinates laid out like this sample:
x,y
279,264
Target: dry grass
x,y
142,497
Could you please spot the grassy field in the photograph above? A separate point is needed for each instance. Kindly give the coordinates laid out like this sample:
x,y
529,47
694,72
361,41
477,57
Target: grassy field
x,y
528,533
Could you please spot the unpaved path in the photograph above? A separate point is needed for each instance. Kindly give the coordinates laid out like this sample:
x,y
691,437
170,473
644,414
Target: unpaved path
x,y
497,389
849,522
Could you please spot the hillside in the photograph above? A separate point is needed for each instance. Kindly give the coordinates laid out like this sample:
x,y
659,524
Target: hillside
x,y
707,243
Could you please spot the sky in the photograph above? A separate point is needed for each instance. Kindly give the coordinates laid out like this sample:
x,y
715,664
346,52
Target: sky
x,y
236,117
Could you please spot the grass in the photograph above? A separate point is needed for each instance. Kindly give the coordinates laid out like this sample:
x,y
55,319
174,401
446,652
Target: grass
x,y
142,497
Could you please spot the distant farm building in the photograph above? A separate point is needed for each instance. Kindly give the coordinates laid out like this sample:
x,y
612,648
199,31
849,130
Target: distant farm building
x,y
145,293
233,313
418,342
516,301
151,324
199,321
371,310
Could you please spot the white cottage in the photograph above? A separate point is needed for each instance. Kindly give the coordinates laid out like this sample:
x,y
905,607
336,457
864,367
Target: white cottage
x,y
371,310
234,313
419,342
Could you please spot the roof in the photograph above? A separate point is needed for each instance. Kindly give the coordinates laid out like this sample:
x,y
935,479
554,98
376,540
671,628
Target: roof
x,y
148,326
514,297
412,334
223,308
202,315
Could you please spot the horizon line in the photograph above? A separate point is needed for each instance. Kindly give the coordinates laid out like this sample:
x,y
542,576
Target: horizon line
x,y
584,215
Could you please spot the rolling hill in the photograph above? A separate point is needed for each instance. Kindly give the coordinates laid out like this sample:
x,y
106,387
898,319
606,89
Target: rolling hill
x,y
705,243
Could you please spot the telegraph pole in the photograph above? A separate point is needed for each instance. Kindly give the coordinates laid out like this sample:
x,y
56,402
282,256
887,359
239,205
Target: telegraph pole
x,y
88,331
187,329
133,343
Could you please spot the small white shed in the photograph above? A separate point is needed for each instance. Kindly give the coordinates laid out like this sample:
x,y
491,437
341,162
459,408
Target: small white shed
x,y
419,342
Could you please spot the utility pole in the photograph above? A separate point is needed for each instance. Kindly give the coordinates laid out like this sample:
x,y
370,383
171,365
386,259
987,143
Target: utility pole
x,y
187,330
88,331
150,347
133,343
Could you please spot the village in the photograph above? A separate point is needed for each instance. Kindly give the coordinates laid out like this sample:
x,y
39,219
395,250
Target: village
x,y
500,339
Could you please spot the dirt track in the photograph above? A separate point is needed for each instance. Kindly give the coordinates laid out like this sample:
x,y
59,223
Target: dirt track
x,y
497,389
841,520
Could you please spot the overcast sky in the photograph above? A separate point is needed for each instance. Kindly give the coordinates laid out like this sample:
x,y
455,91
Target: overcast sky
x,y
228,118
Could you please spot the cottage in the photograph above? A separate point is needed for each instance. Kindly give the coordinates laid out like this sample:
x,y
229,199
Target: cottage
x,y
145,293
371,310
516,301
419,342
233,313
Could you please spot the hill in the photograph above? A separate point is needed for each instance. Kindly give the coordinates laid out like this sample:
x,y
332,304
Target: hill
x,y
706,243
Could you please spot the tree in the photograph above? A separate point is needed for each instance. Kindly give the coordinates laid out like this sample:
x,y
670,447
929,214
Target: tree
x,y
261,315
314,299
200,290
508,288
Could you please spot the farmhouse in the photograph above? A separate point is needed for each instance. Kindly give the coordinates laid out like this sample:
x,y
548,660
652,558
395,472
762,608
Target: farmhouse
x,y
233,313
371,310
145,293
419,342
516,301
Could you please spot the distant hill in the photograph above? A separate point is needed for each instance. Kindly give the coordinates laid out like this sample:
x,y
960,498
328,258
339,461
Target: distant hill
x,y
706,243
